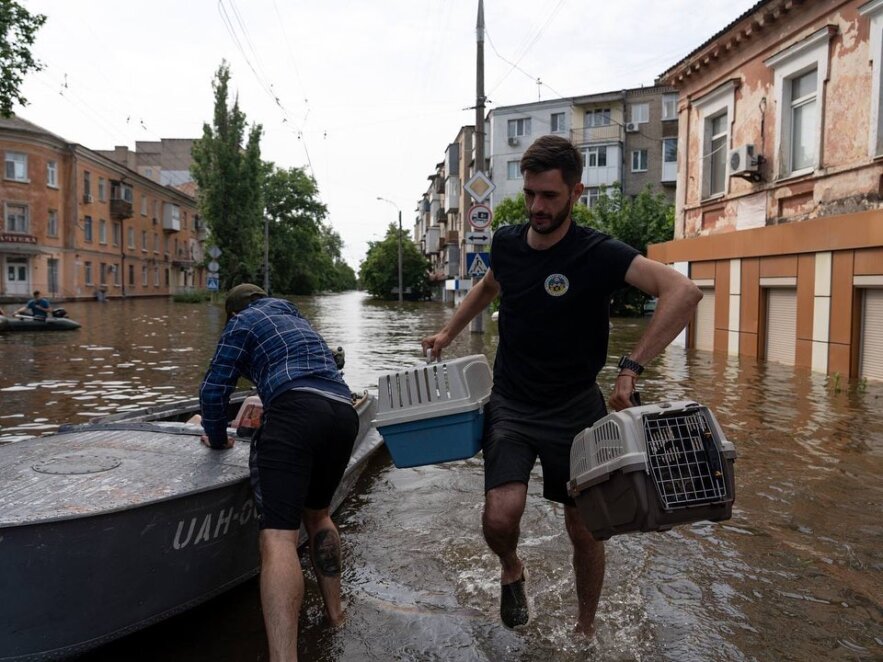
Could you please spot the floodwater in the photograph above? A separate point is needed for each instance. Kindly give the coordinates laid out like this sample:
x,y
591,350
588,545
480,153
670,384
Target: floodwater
x,y
794,575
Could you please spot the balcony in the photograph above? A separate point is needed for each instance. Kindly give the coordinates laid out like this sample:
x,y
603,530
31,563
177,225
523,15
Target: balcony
x,y
597,134
120,209
453,237
171,218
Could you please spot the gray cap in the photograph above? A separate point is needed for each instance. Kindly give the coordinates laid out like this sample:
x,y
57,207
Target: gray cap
x,y
240,296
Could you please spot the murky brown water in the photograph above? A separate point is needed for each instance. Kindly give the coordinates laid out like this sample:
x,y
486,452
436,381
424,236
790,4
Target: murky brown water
x,y
795,575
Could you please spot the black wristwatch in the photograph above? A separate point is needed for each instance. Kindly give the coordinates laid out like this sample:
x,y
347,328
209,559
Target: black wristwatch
x,y
625,363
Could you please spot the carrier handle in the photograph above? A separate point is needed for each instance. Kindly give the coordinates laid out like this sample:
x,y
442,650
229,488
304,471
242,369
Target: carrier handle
x,y
635,399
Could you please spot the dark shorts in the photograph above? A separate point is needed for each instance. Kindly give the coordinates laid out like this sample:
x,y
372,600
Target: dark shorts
x,y
516,433
299,455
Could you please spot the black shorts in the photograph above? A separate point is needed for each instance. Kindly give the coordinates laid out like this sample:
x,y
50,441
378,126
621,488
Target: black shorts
x,y
516,433
299,455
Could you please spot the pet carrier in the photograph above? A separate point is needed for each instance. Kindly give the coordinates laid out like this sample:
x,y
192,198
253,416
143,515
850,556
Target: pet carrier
x,y
652,467
434,413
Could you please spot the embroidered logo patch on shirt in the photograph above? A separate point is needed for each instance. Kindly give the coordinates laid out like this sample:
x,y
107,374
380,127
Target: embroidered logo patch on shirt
x,y
557,284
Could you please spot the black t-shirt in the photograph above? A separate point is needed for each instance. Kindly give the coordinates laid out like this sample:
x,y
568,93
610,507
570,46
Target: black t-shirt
x,y
554,310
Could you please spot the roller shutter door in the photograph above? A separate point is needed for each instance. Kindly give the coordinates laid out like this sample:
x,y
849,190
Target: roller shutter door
x,y
872,335
781,331
705,321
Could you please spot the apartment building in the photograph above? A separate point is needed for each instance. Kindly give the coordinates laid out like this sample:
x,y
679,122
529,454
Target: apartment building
x,y
626,137
779,185
77,224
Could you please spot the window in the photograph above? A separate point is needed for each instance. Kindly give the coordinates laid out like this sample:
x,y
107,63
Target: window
x,y
131,275
116,274
102,277
155,242
52,174
102,192
557,123
87,228
52,223
716,156
17,218
166,244
155,210
130,233
144,275
17,166
143,205
639,112
513,170
799,72
168,276
117,233
156,276
669,159
639,160
87,186
803,121
148,172
87,273
669,107
596,157
874,11
598,117
144,240
591,196
102,231
518,128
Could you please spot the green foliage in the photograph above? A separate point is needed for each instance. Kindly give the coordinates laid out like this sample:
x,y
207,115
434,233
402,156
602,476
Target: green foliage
x,y
647,218
513,211
18,28
305,254
229,178
379,271
192,296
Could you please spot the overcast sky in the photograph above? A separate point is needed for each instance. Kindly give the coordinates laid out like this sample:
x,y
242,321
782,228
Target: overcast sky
x,y
369,93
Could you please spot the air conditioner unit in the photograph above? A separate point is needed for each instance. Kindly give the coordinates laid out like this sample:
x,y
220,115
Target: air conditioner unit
x,y
513,141
743,162
87,197
632,127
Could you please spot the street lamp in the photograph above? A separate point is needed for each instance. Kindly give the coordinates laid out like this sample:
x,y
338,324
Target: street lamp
x,y
401,290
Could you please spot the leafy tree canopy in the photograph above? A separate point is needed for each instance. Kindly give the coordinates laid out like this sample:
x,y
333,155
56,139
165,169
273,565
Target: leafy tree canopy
x,y
512,211
18,29
379,271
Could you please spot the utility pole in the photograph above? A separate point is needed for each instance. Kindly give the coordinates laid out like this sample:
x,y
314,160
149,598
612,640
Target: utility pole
x,y
477,325
266,252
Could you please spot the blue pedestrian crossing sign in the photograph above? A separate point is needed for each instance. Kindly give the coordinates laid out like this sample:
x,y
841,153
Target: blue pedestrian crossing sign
x,y
212,283
477,264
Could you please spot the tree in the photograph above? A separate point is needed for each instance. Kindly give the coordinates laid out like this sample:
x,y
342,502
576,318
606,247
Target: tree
x,y
18,28
229,179
379,271
647,218
305,254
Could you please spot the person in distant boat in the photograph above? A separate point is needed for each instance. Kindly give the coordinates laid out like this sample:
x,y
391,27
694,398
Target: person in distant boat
x,y
298,456
39,307
554,280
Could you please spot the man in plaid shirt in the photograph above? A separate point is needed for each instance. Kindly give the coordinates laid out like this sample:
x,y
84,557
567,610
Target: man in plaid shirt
x,y
297,457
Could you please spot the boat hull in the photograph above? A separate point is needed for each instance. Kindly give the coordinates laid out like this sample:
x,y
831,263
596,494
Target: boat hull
x,y
12,324
80,581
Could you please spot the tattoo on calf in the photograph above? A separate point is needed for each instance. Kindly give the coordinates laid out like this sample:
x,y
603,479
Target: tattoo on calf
x,y
326,552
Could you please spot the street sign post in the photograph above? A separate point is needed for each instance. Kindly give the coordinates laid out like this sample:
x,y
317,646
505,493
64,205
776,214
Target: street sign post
x,y
480,216
477,264
214,252
479,186
213,283
479,237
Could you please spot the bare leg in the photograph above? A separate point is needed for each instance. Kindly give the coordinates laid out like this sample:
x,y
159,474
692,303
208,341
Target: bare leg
x,y
282,591
503,508
588,564
325,552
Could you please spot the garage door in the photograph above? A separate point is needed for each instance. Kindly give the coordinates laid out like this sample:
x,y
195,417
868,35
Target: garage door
x,y
705,321
872,335
781,331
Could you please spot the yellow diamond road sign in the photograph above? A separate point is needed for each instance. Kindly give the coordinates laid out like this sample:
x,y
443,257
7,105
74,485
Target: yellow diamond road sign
x,y
479,186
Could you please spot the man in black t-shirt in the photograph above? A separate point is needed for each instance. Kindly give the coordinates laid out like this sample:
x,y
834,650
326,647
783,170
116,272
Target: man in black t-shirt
x,y
554,280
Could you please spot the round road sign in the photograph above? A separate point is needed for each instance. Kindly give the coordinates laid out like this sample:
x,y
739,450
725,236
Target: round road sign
x,y
480,216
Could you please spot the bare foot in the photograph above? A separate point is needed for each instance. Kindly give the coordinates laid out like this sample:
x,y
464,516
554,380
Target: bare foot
x,y
587,630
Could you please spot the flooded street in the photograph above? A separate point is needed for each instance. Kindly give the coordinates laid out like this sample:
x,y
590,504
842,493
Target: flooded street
x,y
796,574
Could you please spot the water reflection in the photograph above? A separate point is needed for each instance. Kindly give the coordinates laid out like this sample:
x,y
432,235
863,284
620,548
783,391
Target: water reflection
x,y
796,573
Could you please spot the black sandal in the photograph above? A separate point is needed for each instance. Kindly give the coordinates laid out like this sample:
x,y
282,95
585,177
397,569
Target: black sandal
x,y
513,603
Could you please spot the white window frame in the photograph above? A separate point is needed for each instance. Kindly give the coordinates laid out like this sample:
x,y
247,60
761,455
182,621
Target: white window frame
x,y
669,106
52,223
874,11
117,233
144,276
87,229
131,238
596,152
639,113
19,163
52,174
513,169
557,122
25,218
717,102
639,153
598,117
518,128
102,189
102,231
800,58
143,241
87,272
143,205
156,276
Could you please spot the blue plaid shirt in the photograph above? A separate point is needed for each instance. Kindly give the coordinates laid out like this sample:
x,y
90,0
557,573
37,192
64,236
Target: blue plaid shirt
x,y
272,345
